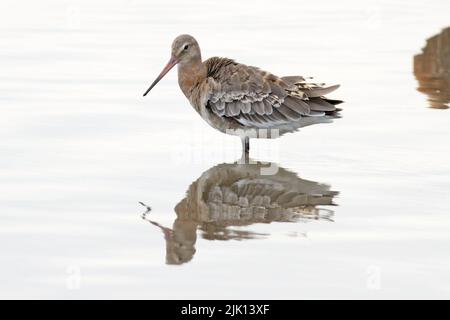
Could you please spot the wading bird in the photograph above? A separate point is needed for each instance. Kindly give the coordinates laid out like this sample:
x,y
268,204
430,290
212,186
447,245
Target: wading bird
x,y
243,100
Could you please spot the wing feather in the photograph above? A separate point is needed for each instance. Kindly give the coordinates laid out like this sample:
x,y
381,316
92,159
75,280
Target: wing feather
x,y
255,97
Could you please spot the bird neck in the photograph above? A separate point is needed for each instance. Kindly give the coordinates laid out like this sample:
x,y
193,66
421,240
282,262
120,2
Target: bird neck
x,y
190,74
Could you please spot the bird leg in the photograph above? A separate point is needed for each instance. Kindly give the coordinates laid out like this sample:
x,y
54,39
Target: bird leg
x,y
245,148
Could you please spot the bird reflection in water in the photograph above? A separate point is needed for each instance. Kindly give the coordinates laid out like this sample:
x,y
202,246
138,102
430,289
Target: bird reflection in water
x,y
432,70
236,195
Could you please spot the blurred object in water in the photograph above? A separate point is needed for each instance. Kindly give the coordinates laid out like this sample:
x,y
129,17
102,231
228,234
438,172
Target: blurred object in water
x,y
146,206
236,195
432,70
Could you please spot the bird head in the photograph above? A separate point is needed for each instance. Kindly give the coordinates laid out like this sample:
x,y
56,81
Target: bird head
x,y
185,49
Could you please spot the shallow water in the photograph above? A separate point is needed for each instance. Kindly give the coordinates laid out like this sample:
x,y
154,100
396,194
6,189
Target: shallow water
x,y
80,148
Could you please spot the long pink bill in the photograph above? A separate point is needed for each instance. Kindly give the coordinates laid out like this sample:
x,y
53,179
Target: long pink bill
x,y
172,62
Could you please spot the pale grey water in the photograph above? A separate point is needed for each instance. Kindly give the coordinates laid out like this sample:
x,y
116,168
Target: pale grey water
x,y
80,147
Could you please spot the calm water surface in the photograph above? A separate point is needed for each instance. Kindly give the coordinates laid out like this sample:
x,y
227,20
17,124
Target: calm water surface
x,y
357,208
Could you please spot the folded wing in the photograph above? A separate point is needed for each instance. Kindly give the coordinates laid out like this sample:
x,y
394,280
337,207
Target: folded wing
x,y
257,98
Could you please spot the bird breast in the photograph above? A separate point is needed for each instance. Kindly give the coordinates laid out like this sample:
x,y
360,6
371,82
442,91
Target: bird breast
x,y
190,76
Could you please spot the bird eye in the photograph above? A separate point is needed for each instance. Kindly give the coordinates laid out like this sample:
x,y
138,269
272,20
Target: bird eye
x,y
186,47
